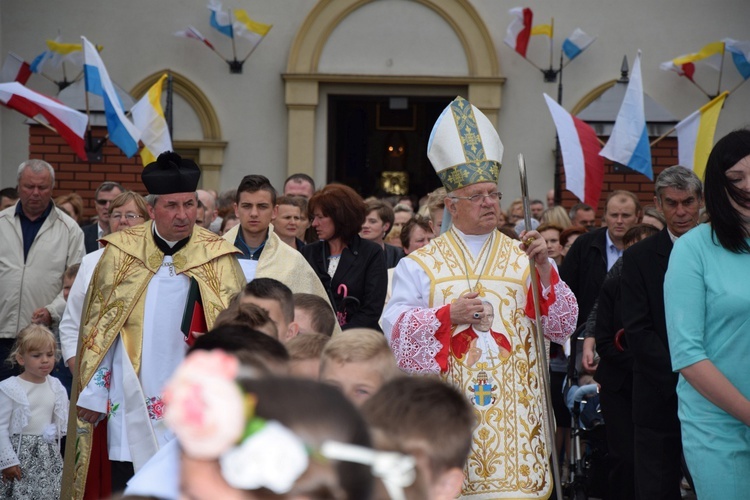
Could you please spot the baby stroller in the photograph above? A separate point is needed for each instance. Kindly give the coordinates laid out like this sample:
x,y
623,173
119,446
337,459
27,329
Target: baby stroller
x,y
586,474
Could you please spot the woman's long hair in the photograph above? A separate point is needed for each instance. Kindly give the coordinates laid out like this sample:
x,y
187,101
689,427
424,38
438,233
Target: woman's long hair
x,y
727,224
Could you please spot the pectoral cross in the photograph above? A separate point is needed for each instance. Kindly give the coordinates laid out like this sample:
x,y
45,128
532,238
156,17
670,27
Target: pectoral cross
x,y
491,357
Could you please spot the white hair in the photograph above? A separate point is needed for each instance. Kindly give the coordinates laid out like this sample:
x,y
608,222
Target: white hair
x,y
37,167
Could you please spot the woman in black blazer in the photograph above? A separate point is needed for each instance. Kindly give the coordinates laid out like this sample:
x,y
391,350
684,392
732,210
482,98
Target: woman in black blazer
x,y
351,269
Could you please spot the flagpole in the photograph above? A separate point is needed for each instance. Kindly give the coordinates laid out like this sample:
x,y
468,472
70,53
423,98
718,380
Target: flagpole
x,y
558,152
552,32
662,136
253,49
738,86
700,88
721,71
169,104
231,24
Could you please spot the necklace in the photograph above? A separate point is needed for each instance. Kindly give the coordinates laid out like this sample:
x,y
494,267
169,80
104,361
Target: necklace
x,y
486,248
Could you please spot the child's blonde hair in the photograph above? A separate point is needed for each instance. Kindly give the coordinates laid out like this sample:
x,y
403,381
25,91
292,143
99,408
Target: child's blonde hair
x,y
32,338
307,346
358,345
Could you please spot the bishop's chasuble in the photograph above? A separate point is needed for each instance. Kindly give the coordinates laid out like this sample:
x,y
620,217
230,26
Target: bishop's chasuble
x,y
130,341
509,454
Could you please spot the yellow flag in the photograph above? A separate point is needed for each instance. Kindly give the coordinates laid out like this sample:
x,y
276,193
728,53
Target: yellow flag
x,y
707,51
542,29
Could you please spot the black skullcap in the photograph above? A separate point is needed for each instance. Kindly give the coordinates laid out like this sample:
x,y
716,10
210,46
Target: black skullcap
x,y
171,173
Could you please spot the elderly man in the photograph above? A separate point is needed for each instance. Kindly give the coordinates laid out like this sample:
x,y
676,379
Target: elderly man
x,y
299,185
438,296
583,215
38,242
105,193
658,447
131,339
211,219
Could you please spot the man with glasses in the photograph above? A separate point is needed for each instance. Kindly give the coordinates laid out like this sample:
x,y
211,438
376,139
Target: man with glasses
x,y
442,293
104,195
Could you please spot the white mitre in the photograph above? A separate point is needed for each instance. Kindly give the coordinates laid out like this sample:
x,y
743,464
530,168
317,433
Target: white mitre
x,y
464,147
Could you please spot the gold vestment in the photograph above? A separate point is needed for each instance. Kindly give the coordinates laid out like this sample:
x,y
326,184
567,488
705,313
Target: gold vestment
x,y
114,306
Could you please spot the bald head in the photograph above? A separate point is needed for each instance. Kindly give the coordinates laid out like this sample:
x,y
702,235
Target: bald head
x,y
209,201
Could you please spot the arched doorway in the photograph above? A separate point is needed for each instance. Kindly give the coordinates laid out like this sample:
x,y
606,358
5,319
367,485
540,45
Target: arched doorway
x,y
481,82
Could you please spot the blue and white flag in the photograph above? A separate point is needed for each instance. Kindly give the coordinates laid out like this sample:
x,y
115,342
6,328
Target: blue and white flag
x,y
740,51
122,132
576,43
220,19
629,144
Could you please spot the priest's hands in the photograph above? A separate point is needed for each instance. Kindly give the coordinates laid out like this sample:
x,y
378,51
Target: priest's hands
x,y
89,416
536,248
467,310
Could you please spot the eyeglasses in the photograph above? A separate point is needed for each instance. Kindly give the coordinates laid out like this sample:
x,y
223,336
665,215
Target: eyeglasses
x,y
101,203
479,198
118,215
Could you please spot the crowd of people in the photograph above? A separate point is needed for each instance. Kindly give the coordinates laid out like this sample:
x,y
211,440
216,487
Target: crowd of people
x,y
309,343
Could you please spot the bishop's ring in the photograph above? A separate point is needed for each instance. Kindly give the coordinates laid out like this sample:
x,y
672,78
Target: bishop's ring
x,y
476,315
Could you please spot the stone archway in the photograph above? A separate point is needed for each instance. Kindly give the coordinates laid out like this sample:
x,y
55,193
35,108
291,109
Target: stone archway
x,y
302,79
209,150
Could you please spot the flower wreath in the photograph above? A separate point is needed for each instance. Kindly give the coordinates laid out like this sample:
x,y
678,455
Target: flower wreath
x,y
214,419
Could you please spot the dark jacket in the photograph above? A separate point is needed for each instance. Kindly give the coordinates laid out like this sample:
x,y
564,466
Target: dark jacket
x,y
91,237
392,255
654,382
584,269
362,270
615,370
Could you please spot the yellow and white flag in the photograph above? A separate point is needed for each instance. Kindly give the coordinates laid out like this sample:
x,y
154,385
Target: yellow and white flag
x,y
695,135
148,116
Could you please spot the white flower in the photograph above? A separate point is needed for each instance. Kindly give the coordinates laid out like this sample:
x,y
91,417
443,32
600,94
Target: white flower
x,y
205,408
273,458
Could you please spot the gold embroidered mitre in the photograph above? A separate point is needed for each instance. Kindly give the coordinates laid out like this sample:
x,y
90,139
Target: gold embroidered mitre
x,y
464,147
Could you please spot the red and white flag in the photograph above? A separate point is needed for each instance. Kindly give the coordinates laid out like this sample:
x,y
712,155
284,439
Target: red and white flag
x,y
193,33
519,30
584,168
15,69
68,122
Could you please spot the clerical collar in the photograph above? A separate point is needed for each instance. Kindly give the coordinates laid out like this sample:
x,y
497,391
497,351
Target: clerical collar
x,y
672,236
168,247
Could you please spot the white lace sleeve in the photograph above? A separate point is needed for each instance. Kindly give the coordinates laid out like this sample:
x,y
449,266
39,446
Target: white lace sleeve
x,y
14,415
61,406
560,321
413,341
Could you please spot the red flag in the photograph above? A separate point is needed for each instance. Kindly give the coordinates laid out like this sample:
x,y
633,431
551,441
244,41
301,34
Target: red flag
x,y
69,123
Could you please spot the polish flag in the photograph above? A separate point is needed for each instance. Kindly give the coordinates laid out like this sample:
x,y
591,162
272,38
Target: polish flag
x,y
584,168
15,69
69,123
519,30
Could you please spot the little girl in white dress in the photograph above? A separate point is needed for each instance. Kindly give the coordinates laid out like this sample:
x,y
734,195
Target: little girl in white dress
x,y
33,418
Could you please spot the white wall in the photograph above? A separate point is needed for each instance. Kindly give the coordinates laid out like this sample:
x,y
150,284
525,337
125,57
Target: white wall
x,y
137,39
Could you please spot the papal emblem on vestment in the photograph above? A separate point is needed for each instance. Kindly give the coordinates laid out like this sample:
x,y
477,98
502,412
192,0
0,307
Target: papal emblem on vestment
x,y
484,392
